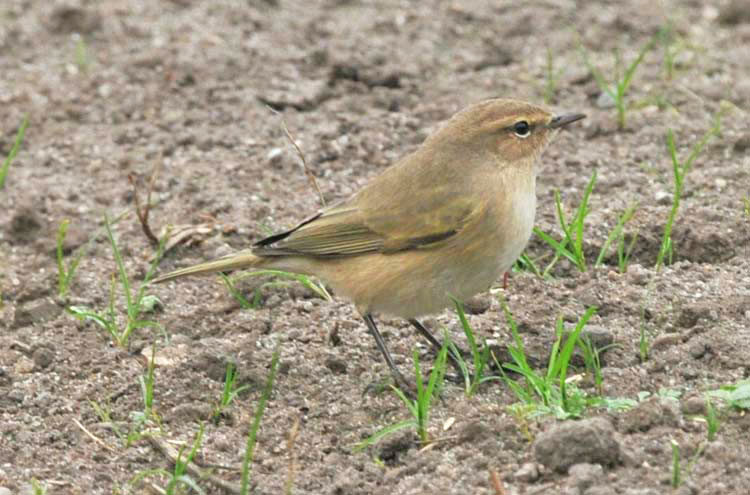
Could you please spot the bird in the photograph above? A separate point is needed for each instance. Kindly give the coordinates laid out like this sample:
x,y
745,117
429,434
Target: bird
x,y
442,223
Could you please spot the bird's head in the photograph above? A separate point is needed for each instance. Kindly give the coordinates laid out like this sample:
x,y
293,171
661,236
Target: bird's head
x,y
513,132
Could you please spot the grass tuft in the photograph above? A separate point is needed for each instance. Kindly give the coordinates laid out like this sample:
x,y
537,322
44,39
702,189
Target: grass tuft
x,y
419,408
618,88
571,245
229,392
136,303
680,171
144,422
550,393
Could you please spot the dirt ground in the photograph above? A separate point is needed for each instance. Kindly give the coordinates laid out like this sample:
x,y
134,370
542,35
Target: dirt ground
x,y
114,87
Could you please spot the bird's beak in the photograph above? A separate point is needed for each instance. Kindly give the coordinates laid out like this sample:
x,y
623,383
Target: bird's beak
x,y
565,119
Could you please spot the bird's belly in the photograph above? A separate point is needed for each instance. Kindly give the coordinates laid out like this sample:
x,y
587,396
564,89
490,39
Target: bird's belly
x,y
420,282
411,290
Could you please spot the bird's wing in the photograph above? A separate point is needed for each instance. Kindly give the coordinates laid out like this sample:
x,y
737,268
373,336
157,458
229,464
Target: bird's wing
x,y
349,229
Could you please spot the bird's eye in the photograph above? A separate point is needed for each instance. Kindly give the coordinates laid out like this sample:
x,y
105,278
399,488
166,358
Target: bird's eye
x,y
522,129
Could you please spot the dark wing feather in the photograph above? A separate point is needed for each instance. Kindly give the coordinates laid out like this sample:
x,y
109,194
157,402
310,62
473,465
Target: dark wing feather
x,y
338,231
271,239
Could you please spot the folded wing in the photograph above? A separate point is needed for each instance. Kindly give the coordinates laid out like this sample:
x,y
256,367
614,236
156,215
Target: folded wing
x,y
350,230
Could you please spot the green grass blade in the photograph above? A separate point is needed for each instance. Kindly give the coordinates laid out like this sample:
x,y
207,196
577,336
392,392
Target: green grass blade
x,y
521,365
409,403
253,432
13,151
630,72
553,365
437,374
80,252
676,470
524,262
567,352
604,86
672,151
111,306
147,383
318,289
196,443
154,264
564,225
468,332
680,170
83,314
464,368
623,253
713,131
580,220
567,228
666,243
616,232
236,294
559,247
418,372
384,432
120,265
435,382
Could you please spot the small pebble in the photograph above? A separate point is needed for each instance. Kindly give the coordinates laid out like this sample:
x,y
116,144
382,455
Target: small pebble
x,y
694,406
604,100
527,472
663,197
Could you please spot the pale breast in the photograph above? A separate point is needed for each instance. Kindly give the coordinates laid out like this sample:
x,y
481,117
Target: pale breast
x,y
501,239
519,227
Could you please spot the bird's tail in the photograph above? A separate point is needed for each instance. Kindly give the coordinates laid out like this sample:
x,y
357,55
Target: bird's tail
x,y
236,261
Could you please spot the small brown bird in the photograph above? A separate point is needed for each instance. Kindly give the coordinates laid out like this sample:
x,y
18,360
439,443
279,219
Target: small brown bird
x,y
445,221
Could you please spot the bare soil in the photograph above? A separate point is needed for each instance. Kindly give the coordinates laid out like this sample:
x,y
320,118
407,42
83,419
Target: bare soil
x,y
114,87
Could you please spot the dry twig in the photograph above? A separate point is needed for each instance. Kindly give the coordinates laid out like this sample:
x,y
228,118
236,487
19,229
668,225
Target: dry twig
x,y
496,483
308,172
143,211
290,446
91,435
179,234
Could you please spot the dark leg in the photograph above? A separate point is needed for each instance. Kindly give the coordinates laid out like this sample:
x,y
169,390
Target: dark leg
x,y
397,376
436,344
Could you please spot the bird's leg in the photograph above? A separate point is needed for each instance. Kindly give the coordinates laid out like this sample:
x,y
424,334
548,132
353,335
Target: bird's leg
x,y
397,376
438,346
